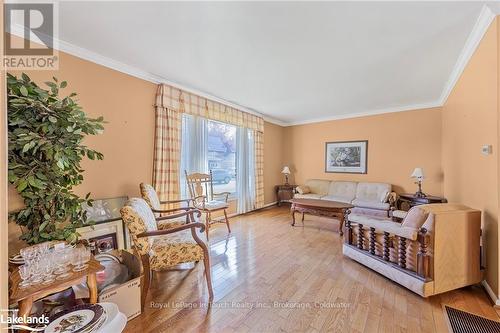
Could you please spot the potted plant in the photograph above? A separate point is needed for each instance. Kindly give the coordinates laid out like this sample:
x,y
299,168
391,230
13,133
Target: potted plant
x,y
45,138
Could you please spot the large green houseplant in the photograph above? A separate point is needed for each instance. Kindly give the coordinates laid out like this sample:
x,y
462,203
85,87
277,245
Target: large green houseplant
x,y
46,134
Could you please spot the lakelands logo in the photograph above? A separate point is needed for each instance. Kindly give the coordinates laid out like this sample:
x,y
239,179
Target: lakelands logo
x,y
30,324
29,35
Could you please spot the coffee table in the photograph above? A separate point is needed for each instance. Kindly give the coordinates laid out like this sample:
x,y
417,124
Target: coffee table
x,y
333,209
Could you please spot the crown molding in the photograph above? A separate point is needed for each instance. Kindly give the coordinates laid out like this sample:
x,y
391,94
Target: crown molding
x,y
486,16
366,113
80,52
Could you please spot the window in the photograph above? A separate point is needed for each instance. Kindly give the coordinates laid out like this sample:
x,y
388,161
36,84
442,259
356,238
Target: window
x,y
221,155
209,145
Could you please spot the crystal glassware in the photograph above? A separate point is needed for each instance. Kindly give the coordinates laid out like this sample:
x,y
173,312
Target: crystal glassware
x,y
36,272
25,274
47,267
63,258
81,256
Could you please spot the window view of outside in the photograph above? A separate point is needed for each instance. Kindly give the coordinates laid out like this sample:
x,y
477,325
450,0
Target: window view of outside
x,y
222,156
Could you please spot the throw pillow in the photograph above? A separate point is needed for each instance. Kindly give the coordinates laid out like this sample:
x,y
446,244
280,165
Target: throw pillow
x,y
303,189
415,218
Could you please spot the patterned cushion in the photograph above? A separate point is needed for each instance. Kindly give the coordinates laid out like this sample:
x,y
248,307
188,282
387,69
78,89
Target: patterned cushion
x,y
307,196
318,186
169,224
346,190
371,204
174,249
148,193
376,192
337,198
138,217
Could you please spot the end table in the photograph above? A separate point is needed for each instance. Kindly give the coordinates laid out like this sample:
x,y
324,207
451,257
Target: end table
x,y
408,200
284,193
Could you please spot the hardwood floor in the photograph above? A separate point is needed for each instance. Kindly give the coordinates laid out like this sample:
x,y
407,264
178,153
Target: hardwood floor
x,y
265,263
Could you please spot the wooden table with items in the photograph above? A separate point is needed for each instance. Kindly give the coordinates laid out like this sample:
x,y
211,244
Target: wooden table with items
x,y
333,209
408,200
284,193
25,297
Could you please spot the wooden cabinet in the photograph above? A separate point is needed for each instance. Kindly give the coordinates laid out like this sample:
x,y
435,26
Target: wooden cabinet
x,y
284,193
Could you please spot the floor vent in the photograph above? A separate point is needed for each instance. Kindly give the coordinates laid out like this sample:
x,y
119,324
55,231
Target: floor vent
x,y
465,322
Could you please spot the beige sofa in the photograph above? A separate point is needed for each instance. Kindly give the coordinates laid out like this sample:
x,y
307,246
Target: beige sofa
x,y
435,249
366,197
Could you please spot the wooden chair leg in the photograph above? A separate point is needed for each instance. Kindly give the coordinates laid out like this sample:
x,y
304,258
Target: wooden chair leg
x,y
207,223
146,279
227,222
206,262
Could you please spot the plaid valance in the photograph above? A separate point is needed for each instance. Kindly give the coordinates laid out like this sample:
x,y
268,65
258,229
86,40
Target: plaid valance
x,y
183,101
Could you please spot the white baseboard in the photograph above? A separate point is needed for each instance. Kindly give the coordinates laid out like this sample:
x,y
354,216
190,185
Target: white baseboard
x,y
236,214
270,204
490,292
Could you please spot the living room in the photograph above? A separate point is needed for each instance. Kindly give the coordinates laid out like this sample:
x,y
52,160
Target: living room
x,y
377,122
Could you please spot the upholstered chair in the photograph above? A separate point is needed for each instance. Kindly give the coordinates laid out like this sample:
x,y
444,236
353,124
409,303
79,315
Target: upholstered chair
x,y
204,198
160,249
149,194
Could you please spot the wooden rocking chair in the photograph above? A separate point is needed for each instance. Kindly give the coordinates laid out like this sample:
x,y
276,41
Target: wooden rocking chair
x,y
201,190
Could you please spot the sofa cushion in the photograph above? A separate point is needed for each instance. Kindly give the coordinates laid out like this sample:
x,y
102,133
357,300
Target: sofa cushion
x,y
318,186
371,204
346,190
303,189
415,218
337,198
376,192
307,196
384,225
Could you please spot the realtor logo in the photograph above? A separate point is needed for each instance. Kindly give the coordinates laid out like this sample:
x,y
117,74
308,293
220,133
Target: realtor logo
x,y
29,36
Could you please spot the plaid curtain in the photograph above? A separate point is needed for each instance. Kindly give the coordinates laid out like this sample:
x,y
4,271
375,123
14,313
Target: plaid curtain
x,y
167,150
183,101
259,169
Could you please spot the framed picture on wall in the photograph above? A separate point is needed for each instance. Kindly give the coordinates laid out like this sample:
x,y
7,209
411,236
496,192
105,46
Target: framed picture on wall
x,y
346,156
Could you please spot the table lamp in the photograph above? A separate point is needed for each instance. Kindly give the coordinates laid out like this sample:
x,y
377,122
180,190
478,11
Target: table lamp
x,y
418,174
286,172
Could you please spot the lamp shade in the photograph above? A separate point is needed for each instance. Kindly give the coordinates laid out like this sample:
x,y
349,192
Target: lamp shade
x,y
286,170
418,173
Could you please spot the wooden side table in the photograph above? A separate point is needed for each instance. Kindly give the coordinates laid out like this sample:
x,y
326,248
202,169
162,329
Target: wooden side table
x,y
284,193
408,200
27,296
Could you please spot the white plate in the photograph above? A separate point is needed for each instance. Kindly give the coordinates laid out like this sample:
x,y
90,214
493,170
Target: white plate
x,y
111,310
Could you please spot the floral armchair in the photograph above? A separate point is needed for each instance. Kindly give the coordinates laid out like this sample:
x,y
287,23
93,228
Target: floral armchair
x,y
160,249
149,194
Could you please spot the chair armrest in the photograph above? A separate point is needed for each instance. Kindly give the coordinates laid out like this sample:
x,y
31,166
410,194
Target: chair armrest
x,y
187,213
173,230
172,210
176,201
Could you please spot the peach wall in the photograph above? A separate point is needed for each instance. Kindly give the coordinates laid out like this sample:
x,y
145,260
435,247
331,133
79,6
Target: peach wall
x,y
126,103
273,159
397,143
470,120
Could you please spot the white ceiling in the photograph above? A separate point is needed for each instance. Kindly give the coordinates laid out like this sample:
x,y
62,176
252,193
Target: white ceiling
x,y
292,61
